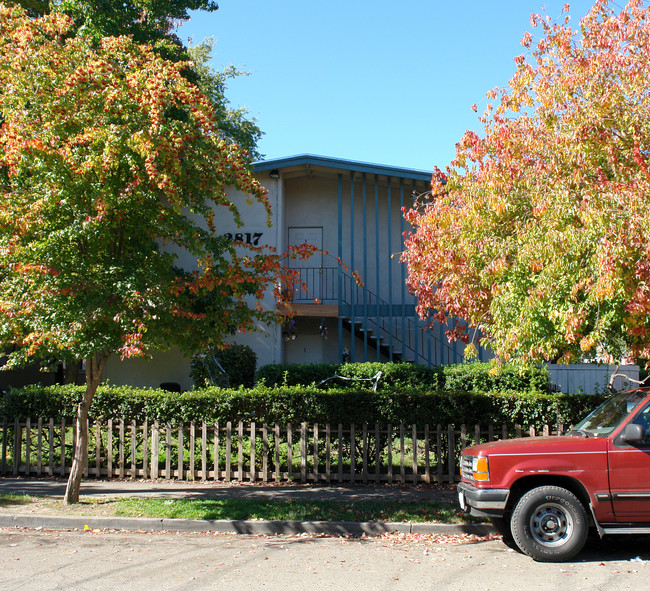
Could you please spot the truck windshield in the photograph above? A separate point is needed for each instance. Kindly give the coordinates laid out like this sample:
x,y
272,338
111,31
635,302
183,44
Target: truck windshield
x,y
610,414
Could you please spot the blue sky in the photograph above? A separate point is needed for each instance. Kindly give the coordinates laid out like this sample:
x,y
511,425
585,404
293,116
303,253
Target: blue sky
x,y
384,82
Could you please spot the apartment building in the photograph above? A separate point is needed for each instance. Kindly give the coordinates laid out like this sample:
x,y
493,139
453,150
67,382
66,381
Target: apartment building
x,y
355,305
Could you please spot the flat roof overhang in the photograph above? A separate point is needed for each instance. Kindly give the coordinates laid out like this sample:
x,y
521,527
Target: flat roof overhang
x,y
313,164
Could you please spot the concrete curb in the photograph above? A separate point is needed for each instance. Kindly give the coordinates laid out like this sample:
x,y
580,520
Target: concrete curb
x,y
334,528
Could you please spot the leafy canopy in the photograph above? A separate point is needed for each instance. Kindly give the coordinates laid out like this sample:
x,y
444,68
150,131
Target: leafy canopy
x,y
155,23
146,21
539,235
111,166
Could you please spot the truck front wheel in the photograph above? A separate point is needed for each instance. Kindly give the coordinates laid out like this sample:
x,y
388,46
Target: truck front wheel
x,y
549,524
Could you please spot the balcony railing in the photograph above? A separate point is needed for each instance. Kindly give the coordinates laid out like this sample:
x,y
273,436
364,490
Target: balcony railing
x,y
392,324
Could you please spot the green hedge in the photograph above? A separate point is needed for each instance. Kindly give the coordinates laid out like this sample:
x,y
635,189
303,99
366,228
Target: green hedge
x,y
464,377
486,377
297,404
231,367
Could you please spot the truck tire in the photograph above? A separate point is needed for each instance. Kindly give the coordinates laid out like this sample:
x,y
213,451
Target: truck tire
x,y
549,524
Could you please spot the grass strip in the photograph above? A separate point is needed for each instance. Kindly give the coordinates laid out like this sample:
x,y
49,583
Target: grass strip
x,y
242,509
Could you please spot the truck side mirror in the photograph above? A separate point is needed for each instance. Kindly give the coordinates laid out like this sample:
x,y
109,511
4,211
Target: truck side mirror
x,y
634,433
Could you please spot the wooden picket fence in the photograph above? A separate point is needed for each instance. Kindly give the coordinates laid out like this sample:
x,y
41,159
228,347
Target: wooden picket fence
x,y
247,452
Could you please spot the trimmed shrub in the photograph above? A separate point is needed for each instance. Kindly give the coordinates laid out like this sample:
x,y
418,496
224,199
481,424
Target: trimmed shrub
x,y
353,376
291,404
231,367
464,377
485,377
296,374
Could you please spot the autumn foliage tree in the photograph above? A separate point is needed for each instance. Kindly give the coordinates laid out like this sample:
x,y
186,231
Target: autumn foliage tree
x,y
155,23
539,234
111,166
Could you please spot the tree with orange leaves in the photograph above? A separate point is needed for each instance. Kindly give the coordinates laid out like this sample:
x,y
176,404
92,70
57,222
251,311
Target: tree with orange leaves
x,y
110,163
539,234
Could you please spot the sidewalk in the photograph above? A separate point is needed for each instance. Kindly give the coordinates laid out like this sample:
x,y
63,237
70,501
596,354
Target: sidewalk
x,y
212,490
220,490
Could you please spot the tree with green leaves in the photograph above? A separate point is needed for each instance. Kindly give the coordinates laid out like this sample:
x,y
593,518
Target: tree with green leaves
x,y
111,165
539,234
151,22
155,24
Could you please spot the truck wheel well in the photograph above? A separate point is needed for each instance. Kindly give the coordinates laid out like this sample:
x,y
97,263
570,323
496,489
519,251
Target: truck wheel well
x,y
523,485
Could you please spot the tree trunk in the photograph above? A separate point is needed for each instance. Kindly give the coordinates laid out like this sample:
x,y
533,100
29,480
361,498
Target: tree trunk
x,y
71,372
94,370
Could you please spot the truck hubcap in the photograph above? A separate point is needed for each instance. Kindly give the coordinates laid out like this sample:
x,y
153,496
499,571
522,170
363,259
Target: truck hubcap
x,y
551,525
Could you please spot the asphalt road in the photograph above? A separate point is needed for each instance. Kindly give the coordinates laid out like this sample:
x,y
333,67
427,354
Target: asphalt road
x,y
71,560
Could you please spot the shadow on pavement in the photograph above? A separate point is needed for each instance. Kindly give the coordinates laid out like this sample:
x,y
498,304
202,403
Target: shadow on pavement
x,y
14,501
632,548
309,527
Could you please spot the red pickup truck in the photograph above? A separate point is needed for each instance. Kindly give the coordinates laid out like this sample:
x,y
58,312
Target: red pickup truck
x,y
544,493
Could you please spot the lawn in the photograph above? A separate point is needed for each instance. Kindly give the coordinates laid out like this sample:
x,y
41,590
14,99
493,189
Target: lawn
x,y
242,509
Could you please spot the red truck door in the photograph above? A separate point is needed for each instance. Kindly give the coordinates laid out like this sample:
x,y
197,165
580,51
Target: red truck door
x,y
629,474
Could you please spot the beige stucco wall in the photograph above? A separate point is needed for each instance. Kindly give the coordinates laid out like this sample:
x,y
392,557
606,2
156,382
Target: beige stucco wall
x,y
172,366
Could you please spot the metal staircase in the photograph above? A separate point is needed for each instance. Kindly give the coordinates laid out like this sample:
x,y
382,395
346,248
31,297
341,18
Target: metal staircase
x,y
386,330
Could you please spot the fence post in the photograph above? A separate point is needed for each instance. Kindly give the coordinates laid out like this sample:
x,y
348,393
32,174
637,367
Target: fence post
x,y
109,448
28,446
316,468
39,447
303,452
240,451
265,452
168,451
50,450
276,438
415,453
377,454
216,451
340,453
352,453
402,467
63,426
252,476
134,443
18,446
289,451
145,448
181,451
4,444
120,452
155,450
98,450
364,453
228,450
389,438
439,452
191,474
451,441
328,453
204,451
427,455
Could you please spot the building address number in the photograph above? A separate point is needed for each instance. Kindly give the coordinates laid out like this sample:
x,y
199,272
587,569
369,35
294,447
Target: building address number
x,y
246,237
